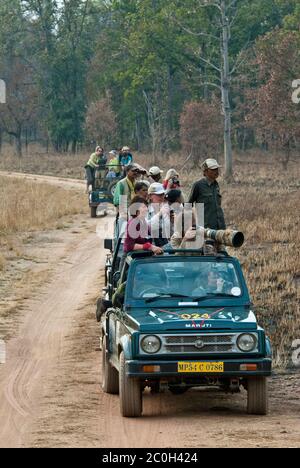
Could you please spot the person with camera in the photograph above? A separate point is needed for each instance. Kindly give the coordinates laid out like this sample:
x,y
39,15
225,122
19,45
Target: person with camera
x,y
171,181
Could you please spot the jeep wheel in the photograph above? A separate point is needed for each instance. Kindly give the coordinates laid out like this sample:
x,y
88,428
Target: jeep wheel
x,y
257,395
93,212
130,393
110,376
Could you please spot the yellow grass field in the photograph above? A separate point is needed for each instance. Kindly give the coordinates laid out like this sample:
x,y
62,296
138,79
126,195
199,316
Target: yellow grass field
x,y
29,206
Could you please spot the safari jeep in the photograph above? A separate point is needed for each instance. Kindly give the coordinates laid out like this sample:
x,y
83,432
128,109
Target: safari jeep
x,y
103,192
182,321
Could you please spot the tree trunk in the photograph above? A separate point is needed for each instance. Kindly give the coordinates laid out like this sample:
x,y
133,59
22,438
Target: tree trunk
x,y
286,160
74,146
225,87
26,140
18,143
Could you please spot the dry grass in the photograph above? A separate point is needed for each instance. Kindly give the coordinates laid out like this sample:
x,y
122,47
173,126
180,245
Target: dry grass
x,y
2,262
266,208
39,162
26,206
26,209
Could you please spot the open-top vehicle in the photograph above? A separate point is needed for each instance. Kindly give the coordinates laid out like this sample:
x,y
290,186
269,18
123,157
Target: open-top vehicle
x,y
103,191
181,320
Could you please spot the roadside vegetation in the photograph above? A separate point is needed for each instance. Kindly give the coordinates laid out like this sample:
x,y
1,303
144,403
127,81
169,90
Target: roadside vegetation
x,y
28,206
31,215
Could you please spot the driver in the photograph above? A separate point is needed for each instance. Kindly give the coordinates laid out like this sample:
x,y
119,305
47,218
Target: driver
x,y
213,282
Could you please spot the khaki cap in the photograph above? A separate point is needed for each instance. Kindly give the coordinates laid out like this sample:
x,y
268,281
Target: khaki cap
x,y
211,164
155,171
156,189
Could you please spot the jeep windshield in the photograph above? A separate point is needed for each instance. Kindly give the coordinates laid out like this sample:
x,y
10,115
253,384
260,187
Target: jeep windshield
x,y
186,279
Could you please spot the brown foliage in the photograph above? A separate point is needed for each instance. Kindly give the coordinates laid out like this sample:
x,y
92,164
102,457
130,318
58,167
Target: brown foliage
x,y
22,103
201,129
272,111
101,122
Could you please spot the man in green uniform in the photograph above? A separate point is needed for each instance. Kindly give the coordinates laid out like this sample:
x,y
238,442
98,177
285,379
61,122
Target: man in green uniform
x,y
124,193
207,191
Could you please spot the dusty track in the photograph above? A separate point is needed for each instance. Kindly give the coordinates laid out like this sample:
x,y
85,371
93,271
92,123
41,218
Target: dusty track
x,y
57,181
50,385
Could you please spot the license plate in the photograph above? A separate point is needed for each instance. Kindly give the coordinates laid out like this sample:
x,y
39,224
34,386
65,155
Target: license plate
x,y
200,367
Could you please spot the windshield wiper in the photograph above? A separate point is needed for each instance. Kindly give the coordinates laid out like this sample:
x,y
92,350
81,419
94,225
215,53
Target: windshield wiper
x,y
157,298
211,296
191,299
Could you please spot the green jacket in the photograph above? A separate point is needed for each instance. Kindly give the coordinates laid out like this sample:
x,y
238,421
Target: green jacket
x,y
123,187
93,161
209,194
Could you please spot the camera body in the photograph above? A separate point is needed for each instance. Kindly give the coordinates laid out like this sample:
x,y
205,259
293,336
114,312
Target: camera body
x,y
175,181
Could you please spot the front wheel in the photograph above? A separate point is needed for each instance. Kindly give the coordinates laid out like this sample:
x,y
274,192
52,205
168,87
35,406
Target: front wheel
x,y
257,401
130,392
110,377
93,212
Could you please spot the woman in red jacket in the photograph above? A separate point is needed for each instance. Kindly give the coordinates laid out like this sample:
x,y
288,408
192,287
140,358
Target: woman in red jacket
x,y
137,231
171,181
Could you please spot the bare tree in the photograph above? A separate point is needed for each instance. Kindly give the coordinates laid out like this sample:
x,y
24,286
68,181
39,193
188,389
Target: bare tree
x,y
100,122
271,109
200,130
225,12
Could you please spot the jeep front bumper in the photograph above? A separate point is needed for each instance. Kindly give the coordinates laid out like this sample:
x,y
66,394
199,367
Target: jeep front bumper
x,y
165,369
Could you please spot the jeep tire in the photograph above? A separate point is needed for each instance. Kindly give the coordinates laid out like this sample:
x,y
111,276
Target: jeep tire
x,y
93,211
110,376
130,392
257,401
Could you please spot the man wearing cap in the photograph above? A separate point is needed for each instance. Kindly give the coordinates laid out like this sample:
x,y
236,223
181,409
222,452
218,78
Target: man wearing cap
x,y
125,157
155,175
126,185
123,195
207,191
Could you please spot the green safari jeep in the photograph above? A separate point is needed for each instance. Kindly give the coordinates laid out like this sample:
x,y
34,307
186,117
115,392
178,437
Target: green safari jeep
x,y
182,321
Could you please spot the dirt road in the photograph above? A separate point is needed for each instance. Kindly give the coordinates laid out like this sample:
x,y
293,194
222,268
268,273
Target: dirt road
x,y
50,393
57,181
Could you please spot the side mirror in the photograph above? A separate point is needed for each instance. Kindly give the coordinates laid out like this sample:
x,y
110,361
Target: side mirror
x,y
116,277
108,244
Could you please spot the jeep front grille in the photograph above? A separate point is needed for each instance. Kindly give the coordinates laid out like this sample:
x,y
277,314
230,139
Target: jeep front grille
x,y
195,344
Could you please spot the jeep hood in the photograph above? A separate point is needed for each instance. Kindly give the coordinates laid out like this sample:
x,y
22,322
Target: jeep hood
x,y
149,320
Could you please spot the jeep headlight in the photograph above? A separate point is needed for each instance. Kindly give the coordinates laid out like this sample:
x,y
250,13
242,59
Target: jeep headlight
x,y
247,342
150,344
